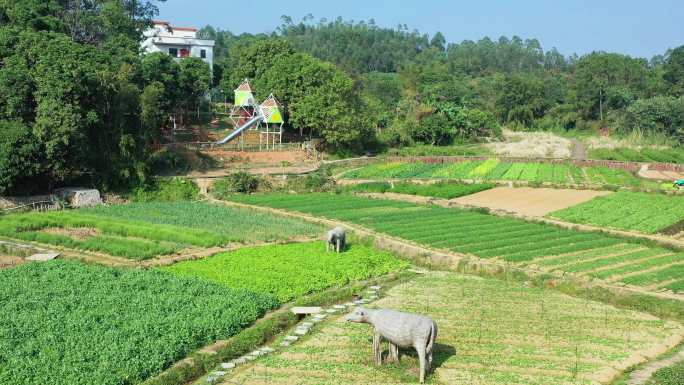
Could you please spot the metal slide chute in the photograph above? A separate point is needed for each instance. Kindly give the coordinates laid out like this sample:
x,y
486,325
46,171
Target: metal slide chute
x,y
251,122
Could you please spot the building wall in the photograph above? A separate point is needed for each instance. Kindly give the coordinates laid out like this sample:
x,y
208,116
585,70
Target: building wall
x,y
160,39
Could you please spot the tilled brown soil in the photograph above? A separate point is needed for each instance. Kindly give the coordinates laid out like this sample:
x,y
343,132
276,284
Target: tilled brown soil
x,y
535,202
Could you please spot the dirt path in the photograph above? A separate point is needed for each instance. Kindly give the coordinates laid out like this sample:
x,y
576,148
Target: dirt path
x,y
536,202
641,376
579,151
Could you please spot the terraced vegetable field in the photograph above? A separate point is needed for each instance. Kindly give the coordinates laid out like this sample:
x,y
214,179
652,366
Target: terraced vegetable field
x,y
493,169
65,323
290,271
647,213
446,190
490,332
487,236
145,230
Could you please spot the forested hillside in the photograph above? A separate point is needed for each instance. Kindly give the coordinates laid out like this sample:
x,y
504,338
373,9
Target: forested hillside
x,y
79,104
415,88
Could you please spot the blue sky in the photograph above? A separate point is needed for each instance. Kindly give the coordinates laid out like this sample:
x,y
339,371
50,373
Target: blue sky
x,y
638,28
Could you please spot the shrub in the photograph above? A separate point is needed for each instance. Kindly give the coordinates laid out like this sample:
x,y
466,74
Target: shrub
x,y
179,160
167,190
239,182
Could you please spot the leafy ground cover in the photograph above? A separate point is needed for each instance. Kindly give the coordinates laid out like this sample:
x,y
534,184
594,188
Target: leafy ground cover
x,y
65,323
647,213
292,270
493,169
490,332
668,376
446,190
626,154
146,230
487,236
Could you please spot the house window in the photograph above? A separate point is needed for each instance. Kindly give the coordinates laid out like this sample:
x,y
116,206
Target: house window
x,y
173,52
184,52
203,54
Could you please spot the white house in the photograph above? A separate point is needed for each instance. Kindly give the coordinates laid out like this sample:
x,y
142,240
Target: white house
x,y
178,42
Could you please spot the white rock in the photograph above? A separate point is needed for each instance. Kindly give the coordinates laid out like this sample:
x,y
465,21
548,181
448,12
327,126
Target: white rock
x,y
340,307
376,287
267,350
240,361
291,338
307,324
228,365
285,343
44,257
306,309
218,373
331,311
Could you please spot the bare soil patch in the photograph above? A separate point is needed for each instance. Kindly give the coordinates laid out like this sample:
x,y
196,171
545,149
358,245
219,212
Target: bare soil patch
x,y
7,261
267,157
532,145
535,202
661,175
80,233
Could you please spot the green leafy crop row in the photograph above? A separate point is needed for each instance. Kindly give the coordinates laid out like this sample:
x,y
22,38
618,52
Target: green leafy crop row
x,y
647,213
290,271
145,230
446,190
493,169
65,323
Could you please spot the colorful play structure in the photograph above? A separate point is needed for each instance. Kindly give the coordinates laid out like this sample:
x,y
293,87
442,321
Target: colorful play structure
x,y
248,114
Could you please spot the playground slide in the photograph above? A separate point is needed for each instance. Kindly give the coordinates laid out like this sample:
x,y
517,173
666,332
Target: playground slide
x,y
239,130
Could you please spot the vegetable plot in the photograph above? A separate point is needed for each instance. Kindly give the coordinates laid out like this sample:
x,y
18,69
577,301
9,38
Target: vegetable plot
x,y
494,169
446,190
145,230
647,213
65,323
488,236
290,271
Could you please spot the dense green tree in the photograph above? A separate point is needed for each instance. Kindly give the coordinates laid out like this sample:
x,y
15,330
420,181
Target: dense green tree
x,y
194,80
319,98
74,115
438,41
605,81
20,157
674,70
523,99
660,114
